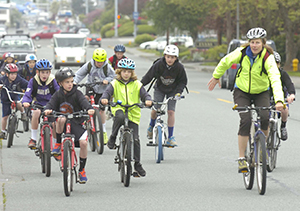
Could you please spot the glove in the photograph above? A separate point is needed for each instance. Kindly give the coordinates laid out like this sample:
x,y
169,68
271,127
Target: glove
x,y
177,96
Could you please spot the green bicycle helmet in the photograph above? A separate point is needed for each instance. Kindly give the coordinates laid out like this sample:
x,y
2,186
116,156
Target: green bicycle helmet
x,y
99,55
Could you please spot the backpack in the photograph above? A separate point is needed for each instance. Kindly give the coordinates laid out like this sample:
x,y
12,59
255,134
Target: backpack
x,y
90,67
35,88
113,64
263,70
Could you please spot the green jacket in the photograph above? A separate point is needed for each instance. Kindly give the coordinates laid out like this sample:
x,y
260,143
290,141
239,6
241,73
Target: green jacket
x,y
249,79
129,94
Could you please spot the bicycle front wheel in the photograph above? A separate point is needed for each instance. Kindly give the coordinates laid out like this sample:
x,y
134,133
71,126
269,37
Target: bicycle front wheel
x,y
11,130
249,176
47,151
67,169
158,145
127,159
91,140
261,164
271,148
99,139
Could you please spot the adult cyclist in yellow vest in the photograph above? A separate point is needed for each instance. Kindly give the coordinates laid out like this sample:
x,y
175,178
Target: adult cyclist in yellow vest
x,y
252,84
129,90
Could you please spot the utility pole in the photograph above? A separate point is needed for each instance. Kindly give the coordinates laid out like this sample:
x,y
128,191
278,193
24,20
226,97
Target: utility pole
x,y
237,20
86,7
116,18
135,17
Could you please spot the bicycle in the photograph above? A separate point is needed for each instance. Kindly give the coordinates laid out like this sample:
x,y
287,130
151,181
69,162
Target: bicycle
x,y
13,120
255,154
94,124
69,160
160,138
125,147
44,145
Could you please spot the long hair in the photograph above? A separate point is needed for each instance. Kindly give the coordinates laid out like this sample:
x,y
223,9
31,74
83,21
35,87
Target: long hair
x,y
265,45
118,74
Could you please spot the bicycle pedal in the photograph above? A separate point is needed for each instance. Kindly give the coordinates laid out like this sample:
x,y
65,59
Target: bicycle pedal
x,y
151,144
243,171
20,131
135,174
37,153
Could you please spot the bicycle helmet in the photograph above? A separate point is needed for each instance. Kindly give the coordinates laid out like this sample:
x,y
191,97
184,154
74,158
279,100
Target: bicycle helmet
x,y
119,48
255,33
99,55
11,68
171,50
43,64
63,74
9,55
277,57
126,63
30,57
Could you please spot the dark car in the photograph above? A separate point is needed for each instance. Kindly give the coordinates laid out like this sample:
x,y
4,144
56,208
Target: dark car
x,y
18,44
46,34
94,39
228,79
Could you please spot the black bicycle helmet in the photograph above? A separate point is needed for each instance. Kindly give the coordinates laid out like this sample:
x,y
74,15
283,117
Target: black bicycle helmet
x,y
119,48
44,64
63,74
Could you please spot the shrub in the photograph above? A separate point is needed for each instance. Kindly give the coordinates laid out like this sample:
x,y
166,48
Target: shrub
x,y
143,38
110,33
142,29
214,53
106,28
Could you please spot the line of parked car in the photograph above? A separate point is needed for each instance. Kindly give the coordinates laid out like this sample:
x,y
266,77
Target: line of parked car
x,y
160,42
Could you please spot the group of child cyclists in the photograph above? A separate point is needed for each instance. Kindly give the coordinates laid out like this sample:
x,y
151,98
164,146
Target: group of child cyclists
x,y
118,82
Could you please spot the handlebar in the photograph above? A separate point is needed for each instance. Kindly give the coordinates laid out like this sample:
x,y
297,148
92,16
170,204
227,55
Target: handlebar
x,y
119,102
165,102
249,108
13,92
76,114
90,84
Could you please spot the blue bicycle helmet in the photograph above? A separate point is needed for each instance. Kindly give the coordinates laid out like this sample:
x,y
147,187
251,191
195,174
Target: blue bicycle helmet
x,y
44,64
126,63
119,48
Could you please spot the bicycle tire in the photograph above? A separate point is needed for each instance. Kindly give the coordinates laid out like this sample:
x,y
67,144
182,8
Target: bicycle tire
x,y
261,164
158,145
42,157
127,159
47,151
26,124
67,170
11,130
249,176
91,141
272,152
99,142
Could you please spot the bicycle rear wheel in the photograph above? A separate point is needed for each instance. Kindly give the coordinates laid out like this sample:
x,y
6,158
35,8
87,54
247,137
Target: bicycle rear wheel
x,y
249,176
91,140
272,151
127,159
11,130
261,164
67,169
99,139
158,145
26,124
47,151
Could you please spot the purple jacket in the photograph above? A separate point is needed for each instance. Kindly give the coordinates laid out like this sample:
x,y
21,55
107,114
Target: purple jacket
x,y
43,94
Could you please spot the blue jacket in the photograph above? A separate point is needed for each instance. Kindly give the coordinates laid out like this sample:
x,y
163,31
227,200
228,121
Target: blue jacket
x,y
43,94
25,72
17,85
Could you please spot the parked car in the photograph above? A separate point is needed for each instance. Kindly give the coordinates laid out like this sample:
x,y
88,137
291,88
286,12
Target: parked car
x,y
46,34
152,44
31,26
2,31
85,31
18,44
186,41
228,79
69,49
94,39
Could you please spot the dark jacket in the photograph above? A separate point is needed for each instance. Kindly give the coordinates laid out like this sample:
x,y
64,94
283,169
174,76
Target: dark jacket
x,y
68,103
169,78
17,85
287,84
25,72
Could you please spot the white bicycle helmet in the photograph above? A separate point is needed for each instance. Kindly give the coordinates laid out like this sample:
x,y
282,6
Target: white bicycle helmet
x,y
171,50
256,33
30,57
277,57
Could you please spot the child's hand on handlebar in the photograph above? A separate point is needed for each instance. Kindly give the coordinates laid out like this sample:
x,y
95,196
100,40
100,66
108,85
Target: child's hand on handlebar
x,y
148,103
104,101
91,111
26,105
105,82
47,112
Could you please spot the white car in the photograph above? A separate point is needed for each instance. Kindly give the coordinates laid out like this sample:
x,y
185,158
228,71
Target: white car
x,y
85,31
186,41
69,50
152,44
2,32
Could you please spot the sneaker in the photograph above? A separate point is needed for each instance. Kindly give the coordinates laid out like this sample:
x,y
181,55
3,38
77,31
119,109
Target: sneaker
x,y
32,144
243,167
111,143
23,117
56,149
57,157
171,142
138,167
82,177
150,132
3,135
105,138
284,135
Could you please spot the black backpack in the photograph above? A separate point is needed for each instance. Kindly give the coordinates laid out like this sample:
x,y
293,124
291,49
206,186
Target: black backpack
x,y
35,88
90,67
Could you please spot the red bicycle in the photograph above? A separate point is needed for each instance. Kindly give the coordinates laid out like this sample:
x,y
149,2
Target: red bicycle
x,y
69,160
94,124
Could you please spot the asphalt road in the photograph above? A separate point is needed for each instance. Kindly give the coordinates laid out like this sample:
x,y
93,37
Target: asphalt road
x,y
200,174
